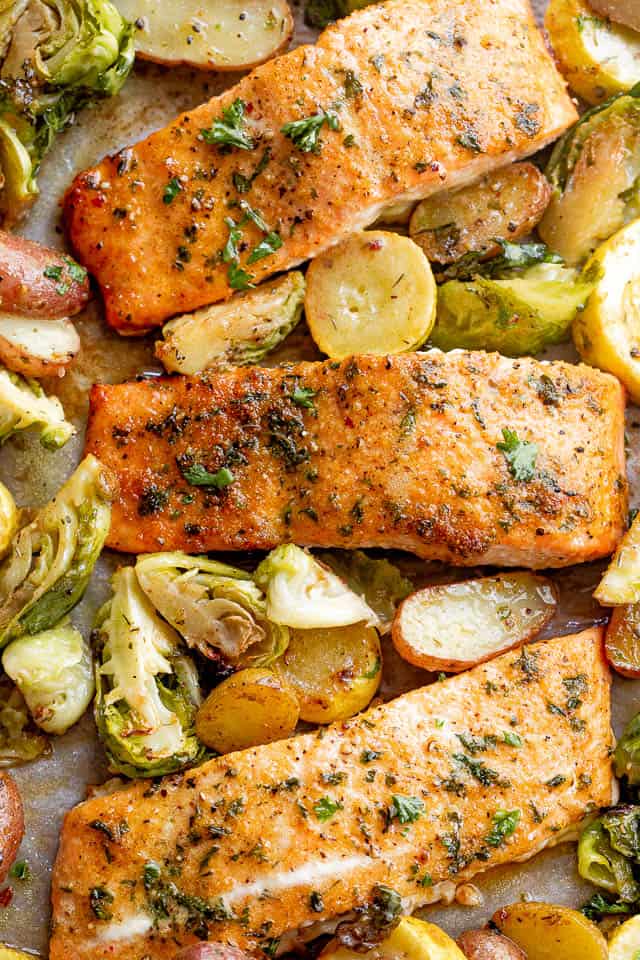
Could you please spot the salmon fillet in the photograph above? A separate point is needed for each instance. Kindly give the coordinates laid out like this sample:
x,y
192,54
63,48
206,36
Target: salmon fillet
x,y
421,95
397,452
408,790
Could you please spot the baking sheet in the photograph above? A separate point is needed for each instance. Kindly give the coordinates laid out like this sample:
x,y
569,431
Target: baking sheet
x,y
151,98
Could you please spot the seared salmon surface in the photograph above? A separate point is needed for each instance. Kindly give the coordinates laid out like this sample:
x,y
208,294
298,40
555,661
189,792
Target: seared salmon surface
x,y
396,102
246,847
405,452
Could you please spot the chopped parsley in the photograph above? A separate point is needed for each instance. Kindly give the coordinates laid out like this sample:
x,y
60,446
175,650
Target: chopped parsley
x,y
305,133
303,396
483,774
325,808
20,871
511,738
405,809
100,899
171,191
198,476
520,455
267,246
53,272
504,824
229,130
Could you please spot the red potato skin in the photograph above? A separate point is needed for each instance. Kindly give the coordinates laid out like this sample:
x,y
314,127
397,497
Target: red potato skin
x,y
211,951
487,945
11,823
24,288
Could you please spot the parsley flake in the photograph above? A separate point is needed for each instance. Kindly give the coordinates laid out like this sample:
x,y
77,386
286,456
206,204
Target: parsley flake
x,y
504,824
305,133
171,191
406,809
520,455
229,130
325,808
199,476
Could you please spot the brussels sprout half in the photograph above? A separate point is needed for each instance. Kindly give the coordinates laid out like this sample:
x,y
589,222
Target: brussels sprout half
x,y
518,313
303,593
608,848
216,608
594,172
58,56
23,404
48,567
377,580
20,740
54,673
147,691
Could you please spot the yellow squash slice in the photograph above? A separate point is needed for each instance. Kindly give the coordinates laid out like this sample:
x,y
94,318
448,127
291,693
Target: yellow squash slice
x,y
621,582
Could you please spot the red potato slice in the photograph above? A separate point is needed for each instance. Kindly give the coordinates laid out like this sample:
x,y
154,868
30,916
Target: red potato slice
x,y
458,625
38,282
213,35
487,945
210,951
37,348
626,12
11,823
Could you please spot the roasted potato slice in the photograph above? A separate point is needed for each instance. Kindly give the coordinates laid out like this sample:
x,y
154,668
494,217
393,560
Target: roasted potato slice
x,y
607,332
547,932
505,204
374,293
8,519
594,171
242,330
623,640
213,35
36,281
598,58
626,12
8,953
458,625
250,707
334,671
487,945
412,939
625,941
11,823
37,348
207,951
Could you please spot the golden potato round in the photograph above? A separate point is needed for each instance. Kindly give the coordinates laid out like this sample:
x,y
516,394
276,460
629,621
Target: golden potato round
x,y
251,707
547,932
412,939
374,293
625,941
334,671
487,945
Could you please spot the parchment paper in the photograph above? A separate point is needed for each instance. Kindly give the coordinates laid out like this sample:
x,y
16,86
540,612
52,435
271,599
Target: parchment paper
x,y
151,98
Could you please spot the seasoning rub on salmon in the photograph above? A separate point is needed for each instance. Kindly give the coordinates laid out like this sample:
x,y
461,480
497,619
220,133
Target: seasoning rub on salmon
x,y
464,457
394,103
485,768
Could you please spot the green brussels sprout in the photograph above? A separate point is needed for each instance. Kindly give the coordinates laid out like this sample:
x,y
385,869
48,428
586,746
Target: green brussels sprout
x,y
627,755
57,56
20,740
23,403
607,849
303,593
512,256
320,13
54,673
217,609
594,171
377,580
147,692
516,314
50,560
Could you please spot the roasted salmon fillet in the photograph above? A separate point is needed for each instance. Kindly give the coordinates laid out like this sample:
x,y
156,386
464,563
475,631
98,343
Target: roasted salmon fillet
x,y
396,102
463,457
246,848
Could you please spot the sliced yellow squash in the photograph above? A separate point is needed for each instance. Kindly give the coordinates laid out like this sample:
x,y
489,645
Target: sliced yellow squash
x,y
625,942
621,582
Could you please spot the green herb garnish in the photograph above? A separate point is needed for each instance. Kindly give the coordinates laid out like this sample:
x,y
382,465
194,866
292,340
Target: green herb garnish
x,y
520,455
229,131
305,133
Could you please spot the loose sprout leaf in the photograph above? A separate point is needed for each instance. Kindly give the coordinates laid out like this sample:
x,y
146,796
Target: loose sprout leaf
x,y
51,559
602,864
627,755
217,609
377,580
303,593
147,690
24,404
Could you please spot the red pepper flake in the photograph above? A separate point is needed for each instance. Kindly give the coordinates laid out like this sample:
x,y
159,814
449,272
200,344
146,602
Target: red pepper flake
x,y
348,422
376,245
98,201
6,896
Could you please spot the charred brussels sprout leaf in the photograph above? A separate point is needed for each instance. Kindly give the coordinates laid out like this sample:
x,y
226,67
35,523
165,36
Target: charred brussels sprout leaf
x,y
377,580
216,608
50,561
607,850
23,404
20,740
513,256
303,593
54,674
57,57
147,690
